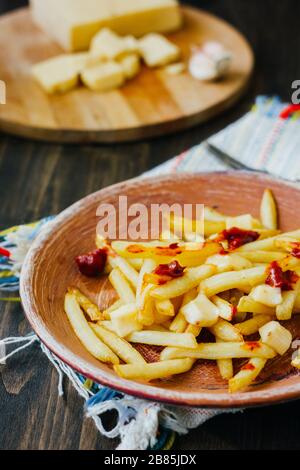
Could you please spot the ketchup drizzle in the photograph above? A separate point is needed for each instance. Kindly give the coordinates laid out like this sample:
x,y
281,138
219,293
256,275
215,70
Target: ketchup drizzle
x,y
237,237
277,278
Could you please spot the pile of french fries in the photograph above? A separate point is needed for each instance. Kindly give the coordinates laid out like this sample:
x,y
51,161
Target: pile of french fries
x,y
222,291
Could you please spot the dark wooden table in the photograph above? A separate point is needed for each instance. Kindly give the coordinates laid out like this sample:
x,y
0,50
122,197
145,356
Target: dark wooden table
x,y
40,179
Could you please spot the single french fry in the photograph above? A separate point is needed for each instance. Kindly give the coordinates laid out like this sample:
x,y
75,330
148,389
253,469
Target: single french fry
x,y
233,279
268,210
214,351
268,244
165,307
285,309
247,304
88,307
226,309
225,331
125,319
247,374
225,366
155,370
85,334
251,326
263,256
118,345
179,323
187,254
190,279
121,285
160,338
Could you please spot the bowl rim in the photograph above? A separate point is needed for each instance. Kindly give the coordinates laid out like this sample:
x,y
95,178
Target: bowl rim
x,y
202,399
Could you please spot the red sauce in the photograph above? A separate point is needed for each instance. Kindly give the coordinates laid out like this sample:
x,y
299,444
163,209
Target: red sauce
x,y
277,278
252,345
172,270
237,237
248,366
234,310
295,250
92,264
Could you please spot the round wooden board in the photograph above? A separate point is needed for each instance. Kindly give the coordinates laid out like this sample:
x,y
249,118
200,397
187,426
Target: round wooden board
x,y
152,104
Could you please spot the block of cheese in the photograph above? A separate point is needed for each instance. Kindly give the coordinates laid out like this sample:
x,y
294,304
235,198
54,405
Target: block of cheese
x,y
61,73
107,45
157,50
131,65
103,77
73,23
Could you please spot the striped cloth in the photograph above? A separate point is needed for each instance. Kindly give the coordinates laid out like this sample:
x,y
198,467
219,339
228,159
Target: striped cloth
x,y
266,139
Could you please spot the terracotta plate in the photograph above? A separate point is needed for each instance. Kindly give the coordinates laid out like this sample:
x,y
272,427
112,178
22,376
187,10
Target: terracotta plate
x,y
49,269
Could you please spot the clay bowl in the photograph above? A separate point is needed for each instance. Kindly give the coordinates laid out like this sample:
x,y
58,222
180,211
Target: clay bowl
x,y
49,269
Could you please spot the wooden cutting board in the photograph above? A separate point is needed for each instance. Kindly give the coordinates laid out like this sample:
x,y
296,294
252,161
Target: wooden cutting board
x,y
152,104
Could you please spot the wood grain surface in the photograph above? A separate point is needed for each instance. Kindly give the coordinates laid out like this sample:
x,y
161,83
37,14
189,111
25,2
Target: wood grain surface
x,y
153,103
41,179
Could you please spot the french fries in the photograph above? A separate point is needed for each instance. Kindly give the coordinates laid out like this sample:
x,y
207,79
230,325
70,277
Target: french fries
x,y
88,307
162,252
125,319
246,375
251,326
122,287
233,279
225,331
160,338
268,210
118,345
248,304
200,275
191,278
156,370
85,334
214,351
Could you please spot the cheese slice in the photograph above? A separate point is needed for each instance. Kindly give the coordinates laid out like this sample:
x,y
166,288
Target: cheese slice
x,y
103,77
156,50
107,45
73,23
61,73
